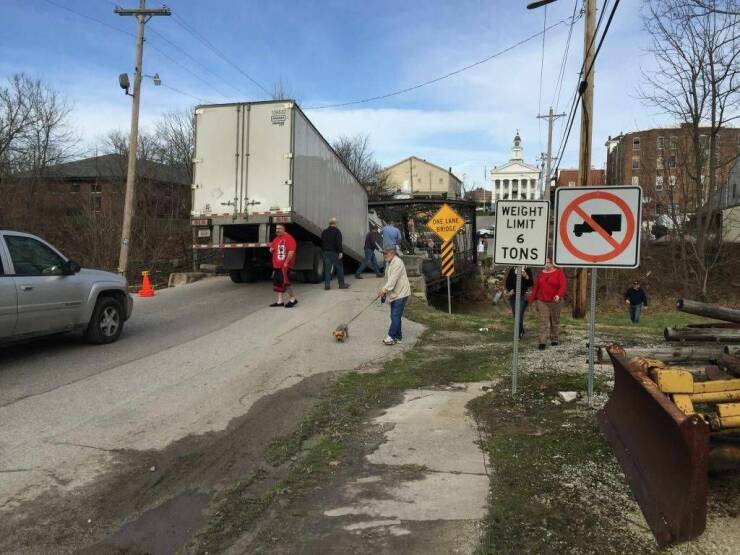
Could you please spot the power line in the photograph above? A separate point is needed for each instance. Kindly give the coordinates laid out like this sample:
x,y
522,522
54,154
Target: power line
x,y
182,23
542,67
579,89
563,65
441,77
153,47
199,99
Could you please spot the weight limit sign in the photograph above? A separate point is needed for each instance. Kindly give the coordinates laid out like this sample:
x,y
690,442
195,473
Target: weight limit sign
x,y
521,232
598,227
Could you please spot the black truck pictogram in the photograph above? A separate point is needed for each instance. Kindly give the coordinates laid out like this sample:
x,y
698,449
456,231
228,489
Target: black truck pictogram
x,y
609,223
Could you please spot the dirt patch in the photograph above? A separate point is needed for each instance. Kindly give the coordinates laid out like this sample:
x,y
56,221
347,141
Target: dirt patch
x,y
147,495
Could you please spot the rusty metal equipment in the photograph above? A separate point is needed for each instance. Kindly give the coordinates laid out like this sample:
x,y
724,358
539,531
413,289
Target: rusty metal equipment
x,y
663,451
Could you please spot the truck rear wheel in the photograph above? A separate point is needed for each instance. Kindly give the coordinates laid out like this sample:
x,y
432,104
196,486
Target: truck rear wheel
x,y
316,274
236,276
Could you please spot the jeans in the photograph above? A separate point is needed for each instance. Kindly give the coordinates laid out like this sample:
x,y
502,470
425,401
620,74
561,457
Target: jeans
x,y
397,307
522,308
332,259
368,261
635,313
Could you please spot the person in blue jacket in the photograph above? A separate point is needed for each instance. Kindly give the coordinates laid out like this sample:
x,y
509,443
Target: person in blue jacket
x,y
635,298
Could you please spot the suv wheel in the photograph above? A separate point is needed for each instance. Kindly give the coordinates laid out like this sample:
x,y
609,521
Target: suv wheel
x,y
106,323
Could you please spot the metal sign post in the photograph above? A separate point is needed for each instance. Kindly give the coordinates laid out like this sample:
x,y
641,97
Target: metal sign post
x,y
597,227
446,223
517,324
591,333
520,239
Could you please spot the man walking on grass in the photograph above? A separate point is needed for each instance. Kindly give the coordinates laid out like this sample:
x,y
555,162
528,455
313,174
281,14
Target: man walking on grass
x,y
331,244
283,248
396,291
635,298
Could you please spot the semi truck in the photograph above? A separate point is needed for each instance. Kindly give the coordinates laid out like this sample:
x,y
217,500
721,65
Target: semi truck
x,y
258,164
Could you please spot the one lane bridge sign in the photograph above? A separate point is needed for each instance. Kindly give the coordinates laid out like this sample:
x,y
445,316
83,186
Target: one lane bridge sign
x,y
521,232
598,227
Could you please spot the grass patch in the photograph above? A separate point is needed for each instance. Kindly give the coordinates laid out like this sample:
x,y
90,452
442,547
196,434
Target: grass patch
x,y
555,487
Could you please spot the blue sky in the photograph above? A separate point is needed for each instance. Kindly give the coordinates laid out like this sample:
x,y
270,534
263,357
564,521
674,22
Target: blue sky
x,y
331,51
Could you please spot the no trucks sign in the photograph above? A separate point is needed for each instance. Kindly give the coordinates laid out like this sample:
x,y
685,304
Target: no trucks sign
x,y
521,232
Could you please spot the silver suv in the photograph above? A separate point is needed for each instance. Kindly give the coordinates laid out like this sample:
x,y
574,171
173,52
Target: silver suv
x,y
42,292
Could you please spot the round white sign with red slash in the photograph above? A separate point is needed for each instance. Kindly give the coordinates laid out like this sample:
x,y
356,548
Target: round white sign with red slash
x,y
597,226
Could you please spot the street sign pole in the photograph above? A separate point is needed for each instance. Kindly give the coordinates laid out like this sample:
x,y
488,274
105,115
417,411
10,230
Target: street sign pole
x,y
517,324
449,297
591,339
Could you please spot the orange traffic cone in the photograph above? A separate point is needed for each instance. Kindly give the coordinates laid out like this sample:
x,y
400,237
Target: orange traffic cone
x,y
146,287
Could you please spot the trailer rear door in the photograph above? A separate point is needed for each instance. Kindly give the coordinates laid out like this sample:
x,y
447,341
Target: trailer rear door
x,y
268,182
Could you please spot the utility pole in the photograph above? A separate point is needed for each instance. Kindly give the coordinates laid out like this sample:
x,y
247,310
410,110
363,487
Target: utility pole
x,y
143,15
550,117
580,287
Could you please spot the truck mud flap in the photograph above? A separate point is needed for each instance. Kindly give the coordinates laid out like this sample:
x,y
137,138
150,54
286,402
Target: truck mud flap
x,y
663,452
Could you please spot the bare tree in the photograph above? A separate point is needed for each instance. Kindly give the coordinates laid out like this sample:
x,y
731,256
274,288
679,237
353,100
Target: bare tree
x,y
175,138
282,91
697,53
355,152
34,126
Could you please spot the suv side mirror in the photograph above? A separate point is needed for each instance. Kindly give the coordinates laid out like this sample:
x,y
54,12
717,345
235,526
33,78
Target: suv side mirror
x,y
71,267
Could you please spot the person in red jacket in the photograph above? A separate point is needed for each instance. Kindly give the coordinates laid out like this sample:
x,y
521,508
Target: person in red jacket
x,y
548,293
283,249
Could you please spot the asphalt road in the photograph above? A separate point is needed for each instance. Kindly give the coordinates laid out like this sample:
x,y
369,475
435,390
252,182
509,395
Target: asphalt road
x,y
191,359
173,317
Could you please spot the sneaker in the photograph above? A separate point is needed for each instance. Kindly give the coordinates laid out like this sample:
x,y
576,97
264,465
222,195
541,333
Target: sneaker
x,y
554,343
344,285
291,304
541,346
277,304
389,341
399,340
358,276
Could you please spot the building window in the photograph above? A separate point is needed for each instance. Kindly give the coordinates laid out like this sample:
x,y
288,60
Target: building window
x,y
96,188
635,163
635,180
636,143
672,182
674,142
659,162
96,203
571,183
672,161
660,143
659,183
74,187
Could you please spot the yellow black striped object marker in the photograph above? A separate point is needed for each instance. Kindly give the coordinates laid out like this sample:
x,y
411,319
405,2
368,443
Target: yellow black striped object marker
x,y
448,259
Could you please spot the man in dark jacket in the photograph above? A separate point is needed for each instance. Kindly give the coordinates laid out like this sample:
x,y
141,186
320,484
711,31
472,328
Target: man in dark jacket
x,y
510,287
635,298
331,244
371,245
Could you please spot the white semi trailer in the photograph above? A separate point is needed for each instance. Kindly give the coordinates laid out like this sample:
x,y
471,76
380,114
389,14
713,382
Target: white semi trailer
x,y
257,164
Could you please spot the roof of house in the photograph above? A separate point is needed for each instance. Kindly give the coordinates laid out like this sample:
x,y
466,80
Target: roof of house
x,y
515,166
114,166
426,162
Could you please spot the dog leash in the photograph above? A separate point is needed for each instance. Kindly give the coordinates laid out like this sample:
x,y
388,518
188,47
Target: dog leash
x,y
363,310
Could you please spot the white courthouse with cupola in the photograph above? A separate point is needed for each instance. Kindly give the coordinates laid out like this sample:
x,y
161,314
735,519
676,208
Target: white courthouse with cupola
x,y
516,180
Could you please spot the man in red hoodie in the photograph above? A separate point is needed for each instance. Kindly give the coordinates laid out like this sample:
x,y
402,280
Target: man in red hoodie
x,y
283,248
548,292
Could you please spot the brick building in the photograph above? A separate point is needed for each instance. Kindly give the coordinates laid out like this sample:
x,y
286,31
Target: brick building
x,y
661,161
78,206
569,177
480,196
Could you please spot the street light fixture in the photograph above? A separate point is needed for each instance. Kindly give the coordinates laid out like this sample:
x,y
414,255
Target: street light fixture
x,y
539,4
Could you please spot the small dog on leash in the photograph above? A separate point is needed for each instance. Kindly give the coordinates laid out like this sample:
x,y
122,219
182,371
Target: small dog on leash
x,y
341,333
